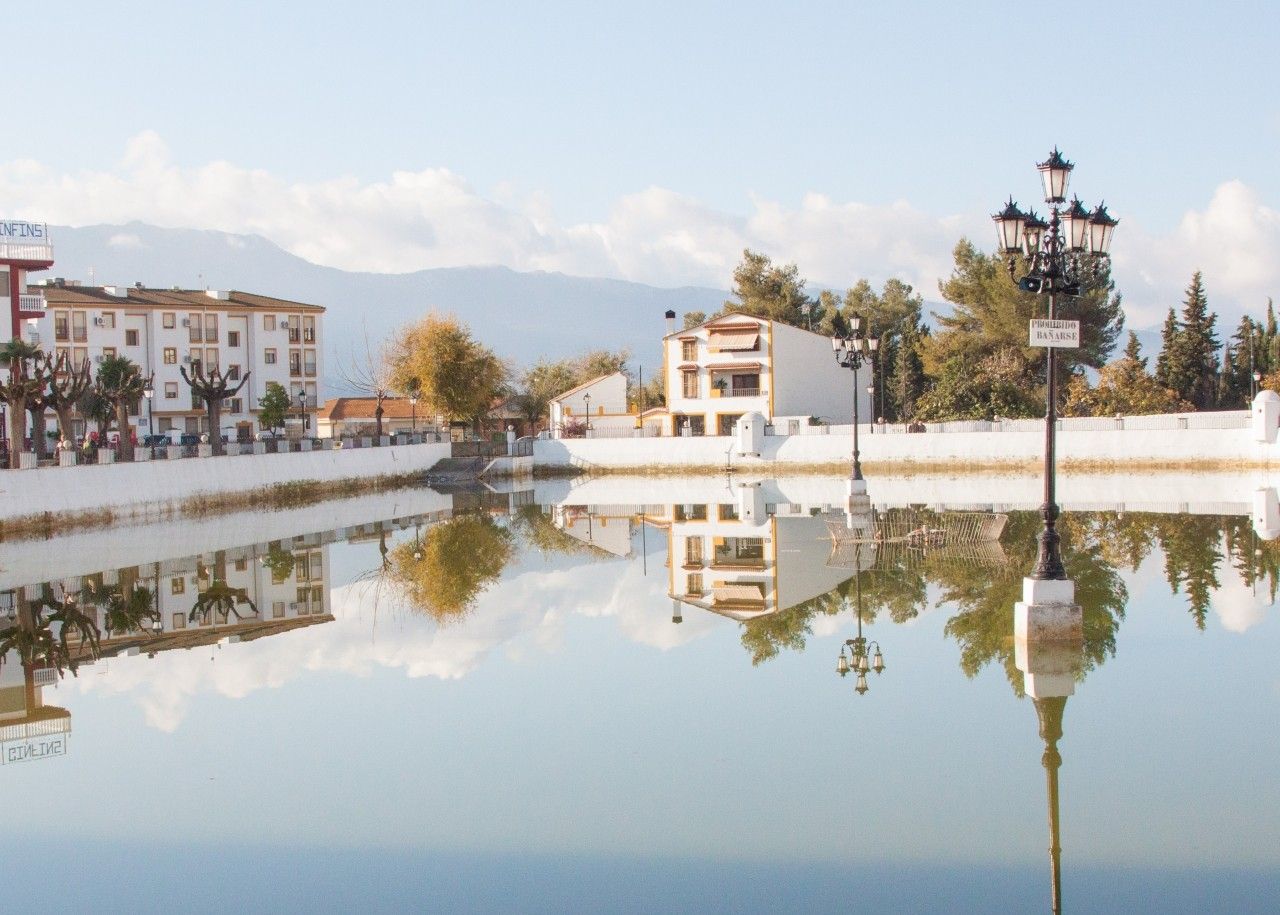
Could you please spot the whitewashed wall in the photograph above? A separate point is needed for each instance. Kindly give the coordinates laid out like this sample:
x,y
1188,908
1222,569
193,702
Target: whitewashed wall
x,y
807,381
1122,447
152,488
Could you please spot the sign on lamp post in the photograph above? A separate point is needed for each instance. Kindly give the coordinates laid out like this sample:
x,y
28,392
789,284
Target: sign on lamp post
x,y
1056,333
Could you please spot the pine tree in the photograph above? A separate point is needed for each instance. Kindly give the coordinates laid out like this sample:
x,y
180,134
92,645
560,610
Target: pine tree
x,y
1240,364
1133,350
1192,365
906,375
1168,340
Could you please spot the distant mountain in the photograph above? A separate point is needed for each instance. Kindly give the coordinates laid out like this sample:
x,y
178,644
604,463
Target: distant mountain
x,y
522,316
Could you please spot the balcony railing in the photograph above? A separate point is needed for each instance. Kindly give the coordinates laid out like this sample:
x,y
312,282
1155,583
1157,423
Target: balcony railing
x,y
31,303
739,391
26,251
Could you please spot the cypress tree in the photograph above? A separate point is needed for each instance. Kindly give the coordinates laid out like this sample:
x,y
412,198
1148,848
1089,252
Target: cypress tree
x,y
906,379
1133,350
1193,362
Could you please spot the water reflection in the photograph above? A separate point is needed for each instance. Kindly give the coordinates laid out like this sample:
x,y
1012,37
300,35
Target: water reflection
x,y
462,576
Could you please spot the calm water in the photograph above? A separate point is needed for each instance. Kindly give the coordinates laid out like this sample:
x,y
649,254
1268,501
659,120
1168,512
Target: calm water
x,y
457,703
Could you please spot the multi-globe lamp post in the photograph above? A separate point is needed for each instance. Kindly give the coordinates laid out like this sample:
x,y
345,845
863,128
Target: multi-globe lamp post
x,y
857,655
853,352
1062,258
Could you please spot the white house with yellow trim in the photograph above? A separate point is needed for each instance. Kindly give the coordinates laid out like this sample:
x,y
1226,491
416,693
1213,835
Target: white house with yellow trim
x,y
735,364
599,404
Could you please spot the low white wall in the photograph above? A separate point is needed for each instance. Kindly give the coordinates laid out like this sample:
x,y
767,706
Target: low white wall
x,y
1126,446
153,488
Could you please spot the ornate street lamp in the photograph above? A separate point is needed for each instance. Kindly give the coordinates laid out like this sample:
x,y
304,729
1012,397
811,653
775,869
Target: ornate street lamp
x,y
413,402
587,428
871,401
859,658
1063,257
852,352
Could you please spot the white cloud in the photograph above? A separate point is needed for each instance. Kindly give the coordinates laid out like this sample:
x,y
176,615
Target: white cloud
x,y
433,218
1238,609
125,240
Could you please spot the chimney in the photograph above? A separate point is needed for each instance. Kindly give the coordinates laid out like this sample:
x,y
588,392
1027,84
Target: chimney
x,y
671,321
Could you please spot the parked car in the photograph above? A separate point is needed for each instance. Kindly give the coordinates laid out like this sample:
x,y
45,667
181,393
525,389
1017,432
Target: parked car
x,y
189,438
265,435
157,440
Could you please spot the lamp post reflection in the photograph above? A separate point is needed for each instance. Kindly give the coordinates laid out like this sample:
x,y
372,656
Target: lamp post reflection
x,y
856,653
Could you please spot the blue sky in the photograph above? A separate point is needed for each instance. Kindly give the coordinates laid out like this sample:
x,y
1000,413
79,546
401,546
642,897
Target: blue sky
x,y
652,141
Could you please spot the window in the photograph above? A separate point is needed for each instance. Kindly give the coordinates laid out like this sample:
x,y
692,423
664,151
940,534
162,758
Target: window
x,y
108,319
108,352
309,329
179,621
235,405
268,322
171,390
295,329
317,565
79,356
694,588
178,585
130,338
268,357
689,385
688,350
728,513
170,355
309,362
295,362
233,372
242,565
691,513
168,320
211,358
277,608
166,423
693,551
210,328
79,327
233,338
195,328
62,325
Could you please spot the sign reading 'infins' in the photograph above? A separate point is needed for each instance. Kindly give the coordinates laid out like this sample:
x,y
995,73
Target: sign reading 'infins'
x,y
16,230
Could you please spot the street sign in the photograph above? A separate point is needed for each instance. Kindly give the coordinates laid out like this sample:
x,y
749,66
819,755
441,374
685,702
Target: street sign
x,y
1065,334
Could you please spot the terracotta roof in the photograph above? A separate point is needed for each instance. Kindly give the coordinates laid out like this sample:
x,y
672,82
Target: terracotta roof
x,y
362,408
175,299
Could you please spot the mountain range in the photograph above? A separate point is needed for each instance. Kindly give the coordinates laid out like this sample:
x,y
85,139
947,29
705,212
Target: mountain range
x,y
521,316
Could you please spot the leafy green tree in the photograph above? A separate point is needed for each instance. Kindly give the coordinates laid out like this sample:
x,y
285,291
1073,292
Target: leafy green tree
x,y
273,406
694,318
550,378
973,386
96,407
1124,388
456,375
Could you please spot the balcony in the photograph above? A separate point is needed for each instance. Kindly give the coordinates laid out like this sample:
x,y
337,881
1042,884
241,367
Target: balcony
x,y
31,304
25,241
295,335
739,391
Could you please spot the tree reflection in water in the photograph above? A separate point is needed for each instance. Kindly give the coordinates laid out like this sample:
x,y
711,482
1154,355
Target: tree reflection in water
x,y
455,561
42,627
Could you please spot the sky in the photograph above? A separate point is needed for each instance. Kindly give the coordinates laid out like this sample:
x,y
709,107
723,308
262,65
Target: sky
x,y
653,141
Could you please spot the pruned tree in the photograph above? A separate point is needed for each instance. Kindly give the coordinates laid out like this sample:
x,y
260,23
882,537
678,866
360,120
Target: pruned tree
x,y
18,356
369,373
212,387
65,384
219,597
121,382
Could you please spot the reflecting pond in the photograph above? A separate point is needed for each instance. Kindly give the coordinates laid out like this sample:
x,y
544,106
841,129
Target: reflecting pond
x,y
644,695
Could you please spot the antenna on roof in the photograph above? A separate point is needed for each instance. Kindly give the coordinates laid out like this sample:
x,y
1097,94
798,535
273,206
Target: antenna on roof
x,y
90,276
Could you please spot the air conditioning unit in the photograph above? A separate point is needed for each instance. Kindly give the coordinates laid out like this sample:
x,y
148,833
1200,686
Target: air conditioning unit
x,y
99,322
99,358
186,322
186,360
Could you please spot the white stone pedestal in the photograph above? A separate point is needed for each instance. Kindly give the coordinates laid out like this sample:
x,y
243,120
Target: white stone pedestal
x,y
204,450
173,452
141,454
66,459
304,445
1048,637
106,456
27,460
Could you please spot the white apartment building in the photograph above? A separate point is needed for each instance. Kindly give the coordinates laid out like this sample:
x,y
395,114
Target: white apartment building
x,y
737,364
163,330
744,559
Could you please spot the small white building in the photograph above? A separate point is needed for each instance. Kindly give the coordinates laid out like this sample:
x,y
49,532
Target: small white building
x,y
737,364
599,406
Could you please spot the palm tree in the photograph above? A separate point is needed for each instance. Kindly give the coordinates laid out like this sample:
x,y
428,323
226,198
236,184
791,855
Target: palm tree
x,y
24,384
32,633
121,382
126,607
